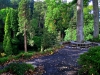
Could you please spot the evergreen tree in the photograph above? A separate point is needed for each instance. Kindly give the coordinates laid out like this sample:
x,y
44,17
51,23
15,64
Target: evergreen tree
x,y
7,36
23,14
14,30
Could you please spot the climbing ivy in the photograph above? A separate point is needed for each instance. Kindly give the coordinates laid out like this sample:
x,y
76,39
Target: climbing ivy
x,y
7,36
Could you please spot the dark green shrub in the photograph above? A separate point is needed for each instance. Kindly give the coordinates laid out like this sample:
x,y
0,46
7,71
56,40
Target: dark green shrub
x,y
37,41
15,49
3,60
48,39
21,55
95,40
18,68
90,62
24,55
1,47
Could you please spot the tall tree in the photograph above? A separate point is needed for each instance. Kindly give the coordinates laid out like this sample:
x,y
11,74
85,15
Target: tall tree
x,y
7,36
23,14
96,18
80,36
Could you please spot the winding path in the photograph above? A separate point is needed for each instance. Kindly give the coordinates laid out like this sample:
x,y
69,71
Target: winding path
x,y
63,62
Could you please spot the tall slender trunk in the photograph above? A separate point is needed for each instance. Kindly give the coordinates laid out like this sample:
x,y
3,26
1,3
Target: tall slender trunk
x,y
80,36
96,18
25,39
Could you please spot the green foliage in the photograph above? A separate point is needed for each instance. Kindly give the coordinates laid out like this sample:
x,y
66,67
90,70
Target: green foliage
x,y
71,30
10,30
95,39
7,36
48,36
37,41
25,27
14,29
23,15
90,62
88,25
18,68
23,55
56,15
70,34
3,60
88,31
3,13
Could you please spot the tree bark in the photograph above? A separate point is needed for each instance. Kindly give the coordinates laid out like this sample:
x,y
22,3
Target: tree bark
x,y
96,19
25,39
80,35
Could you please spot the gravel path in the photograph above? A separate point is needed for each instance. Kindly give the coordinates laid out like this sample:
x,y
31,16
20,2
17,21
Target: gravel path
x,y
63,62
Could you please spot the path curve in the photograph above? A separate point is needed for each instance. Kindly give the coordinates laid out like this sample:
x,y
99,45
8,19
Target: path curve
x,y
63,62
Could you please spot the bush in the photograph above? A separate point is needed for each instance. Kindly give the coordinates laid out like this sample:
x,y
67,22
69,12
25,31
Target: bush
x,y
37,41
48,39
24,55
18,68
21,55
90,62
3,60
95,40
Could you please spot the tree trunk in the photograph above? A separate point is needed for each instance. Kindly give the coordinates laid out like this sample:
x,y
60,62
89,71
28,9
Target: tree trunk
x,y
80,36
25,39
96,18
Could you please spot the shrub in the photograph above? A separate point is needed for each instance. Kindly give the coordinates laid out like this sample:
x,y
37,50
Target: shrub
x,y
21,55
37,41
1,47
95,40
3,60
18,68
48,39
90,62
24,55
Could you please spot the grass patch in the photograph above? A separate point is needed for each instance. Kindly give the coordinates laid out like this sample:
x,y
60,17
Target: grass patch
x,y
13,57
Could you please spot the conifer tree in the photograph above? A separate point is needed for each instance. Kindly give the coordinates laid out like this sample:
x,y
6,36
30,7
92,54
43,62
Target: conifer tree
x,y
23,14
7,36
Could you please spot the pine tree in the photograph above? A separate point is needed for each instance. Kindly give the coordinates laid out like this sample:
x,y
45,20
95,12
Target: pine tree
x,y
23,14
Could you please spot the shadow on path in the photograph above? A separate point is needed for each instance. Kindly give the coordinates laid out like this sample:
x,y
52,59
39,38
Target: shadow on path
x,y
63,62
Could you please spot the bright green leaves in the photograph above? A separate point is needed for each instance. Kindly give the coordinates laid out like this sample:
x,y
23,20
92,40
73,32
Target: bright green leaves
x,y
10,30
88,23
7,36
56,16
23,14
